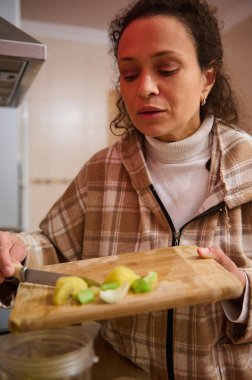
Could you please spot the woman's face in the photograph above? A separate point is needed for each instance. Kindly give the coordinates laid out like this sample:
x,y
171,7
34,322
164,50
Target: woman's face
x,y
161,82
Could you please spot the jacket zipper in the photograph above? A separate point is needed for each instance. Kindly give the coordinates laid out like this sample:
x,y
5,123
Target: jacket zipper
x,y
176,237
176,234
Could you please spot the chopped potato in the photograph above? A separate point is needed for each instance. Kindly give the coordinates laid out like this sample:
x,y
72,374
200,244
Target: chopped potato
x,y
120,275
66,287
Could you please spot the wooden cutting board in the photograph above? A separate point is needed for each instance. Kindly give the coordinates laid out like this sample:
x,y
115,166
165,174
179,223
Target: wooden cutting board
x,y
184,279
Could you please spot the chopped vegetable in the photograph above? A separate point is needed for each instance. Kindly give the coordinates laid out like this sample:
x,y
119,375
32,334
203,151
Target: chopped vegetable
x,y
115,287
95,290
151,278
144,284
116,295
120,275
140,285
109,285
67,286
85,296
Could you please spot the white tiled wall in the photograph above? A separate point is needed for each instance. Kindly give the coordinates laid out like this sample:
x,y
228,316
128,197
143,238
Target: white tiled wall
x,y
68,118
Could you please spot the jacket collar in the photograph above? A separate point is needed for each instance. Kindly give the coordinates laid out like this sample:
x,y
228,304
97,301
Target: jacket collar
x,y
133,159
230,173
232,163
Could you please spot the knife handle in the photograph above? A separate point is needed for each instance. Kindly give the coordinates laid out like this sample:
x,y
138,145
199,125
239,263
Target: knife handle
x,y
19,271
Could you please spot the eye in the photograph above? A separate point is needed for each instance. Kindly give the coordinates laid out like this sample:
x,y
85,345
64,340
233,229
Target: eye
x,y
128,73
168,73
129,77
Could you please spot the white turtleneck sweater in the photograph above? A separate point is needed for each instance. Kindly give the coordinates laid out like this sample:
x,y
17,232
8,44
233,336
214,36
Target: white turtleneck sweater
x,y
180,177
179,174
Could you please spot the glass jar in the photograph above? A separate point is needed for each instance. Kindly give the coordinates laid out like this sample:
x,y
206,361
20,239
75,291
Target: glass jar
x,y
55,354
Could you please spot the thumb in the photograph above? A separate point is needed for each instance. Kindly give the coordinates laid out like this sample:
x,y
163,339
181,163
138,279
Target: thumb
x,y
205,253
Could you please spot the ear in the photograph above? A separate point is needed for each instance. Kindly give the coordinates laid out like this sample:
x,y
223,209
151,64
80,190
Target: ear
x,y
209,75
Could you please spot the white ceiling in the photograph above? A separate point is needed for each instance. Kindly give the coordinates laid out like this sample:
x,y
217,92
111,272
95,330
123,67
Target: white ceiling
x,y
97,13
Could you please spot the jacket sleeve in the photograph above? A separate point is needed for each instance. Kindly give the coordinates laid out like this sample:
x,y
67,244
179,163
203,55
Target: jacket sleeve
x,y
39,251
65,223
238,313
242,332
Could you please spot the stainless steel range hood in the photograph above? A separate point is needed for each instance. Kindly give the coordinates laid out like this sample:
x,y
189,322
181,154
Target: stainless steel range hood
x,y
21,57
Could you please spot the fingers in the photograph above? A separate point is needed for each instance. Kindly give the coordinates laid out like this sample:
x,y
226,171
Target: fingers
x,y
11,249
5,261
217,254
1,278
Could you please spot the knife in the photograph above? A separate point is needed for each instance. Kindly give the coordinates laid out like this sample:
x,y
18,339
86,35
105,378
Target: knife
x,y
36,276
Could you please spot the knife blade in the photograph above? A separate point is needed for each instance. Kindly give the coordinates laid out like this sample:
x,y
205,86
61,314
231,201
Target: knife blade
x,y
37,276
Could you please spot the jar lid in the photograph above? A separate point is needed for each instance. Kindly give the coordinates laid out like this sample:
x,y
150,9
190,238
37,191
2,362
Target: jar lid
x,y
47,354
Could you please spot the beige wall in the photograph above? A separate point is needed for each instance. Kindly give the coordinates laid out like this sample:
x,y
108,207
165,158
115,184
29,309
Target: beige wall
x,y
68,119
238,54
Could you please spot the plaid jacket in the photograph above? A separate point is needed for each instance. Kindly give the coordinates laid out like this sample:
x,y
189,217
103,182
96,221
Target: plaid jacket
x,y
111,208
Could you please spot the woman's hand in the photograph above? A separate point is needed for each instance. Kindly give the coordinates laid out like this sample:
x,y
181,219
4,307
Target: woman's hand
x,y
218,255
12,249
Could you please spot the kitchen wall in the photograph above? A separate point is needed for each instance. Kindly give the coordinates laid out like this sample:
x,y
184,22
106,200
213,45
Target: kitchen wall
x,y
9,169
67,112
10,163
238,56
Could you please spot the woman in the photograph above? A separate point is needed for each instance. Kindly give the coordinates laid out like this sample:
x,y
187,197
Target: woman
x,y
179,175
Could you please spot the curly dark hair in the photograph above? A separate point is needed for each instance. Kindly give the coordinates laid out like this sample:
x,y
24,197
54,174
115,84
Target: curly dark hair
x,y
201,21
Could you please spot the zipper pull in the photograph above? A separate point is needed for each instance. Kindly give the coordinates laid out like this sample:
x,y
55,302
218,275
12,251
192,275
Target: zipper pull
x,y
176,237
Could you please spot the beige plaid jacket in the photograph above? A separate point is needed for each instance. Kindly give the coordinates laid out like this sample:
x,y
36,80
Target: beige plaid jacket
x,y
111,208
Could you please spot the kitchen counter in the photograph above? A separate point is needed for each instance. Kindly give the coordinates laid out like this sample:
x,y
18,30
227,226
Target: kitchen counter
x,y
112,366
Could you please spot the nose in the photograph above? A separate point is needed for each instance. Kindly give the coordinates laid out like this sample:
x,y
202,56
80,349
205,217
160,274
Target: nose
x,y
147,86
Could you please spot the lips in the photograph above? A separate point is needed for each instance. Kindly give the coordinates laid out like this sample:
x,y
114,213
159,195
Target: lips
x,y
150,111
